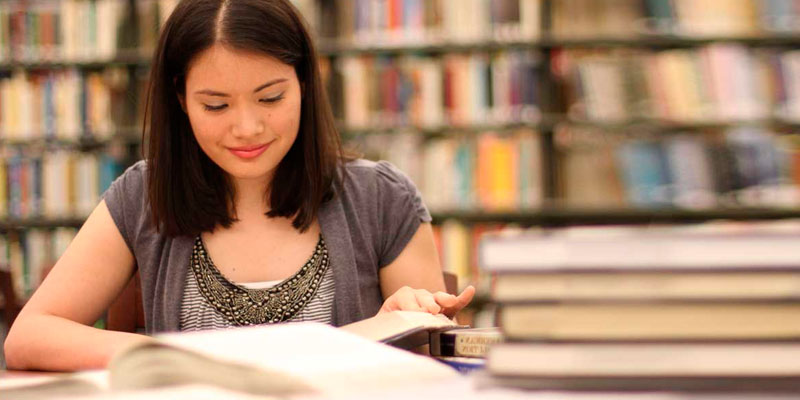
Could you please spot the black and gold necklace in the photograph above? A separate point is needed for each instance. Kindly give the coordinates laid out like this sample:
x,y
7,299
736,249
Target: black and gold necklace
x,y
243,306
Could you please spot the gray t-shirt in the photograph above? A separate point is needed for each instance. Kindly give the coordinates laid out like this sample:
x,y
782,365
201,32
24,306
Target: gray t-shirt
x,y
366,225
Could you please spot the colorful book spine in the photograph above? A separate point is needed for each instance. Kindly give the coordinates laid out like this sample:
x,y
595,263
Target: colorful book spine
x,y
708,84
744,166
65,104
29,255
494,171
432,92
57,184
415,22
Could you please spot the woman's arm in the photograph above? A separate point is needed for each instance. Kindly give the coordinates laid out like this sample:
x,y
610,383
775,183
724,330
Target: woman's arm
x,y
53,331
414,281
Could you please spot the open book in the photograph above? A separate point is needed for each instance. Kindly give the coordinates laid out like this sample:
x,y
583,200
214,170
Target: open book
x,y
284,359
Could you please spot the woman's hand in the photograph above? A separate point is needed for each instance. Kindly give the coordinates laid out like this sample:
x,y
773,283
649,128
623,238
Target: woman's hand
x,y
408,299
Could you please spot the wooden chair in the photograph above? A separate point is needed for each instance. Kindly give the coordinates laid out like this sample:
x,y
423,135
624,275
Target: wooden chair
x,y
127,315
12,305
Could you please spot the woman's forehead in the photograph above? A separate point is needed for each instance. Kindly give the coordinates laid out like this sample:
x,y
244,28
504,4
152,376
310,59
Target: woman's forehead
x,y
223,65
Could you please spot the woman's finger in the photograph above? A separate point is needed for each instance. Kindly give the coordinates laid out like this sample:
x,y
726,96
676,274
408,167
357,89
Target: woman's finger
x,y
445,299
426,300
406,300
459,302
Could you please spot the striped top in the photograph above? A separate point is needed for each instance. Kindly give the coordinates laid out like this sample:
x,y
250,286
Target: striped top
x,y
198,314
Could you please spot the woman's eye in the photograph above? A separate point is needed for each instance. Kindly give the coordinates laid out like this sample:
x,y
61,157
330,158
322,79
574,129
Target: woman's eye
x,y
214,108
272,99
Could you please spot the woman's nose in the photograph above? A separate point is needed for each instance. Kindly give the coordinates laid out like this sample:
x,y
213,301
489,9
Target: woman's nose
x,y
249,122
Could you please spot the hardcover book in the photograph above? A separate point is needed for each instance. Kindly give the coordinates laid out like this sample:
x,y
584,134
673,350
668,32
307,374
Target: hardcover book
x,y
471,342
284,359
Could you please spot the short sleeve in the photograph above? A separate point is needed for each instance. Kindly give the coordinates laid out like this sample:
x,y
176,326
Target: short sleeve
x,y
402,210
126,201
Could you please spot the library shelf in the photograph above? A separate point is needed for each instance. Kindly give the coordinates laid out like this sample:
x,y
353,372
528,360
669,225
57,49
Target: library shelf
x,y
83,142
17,224
340,49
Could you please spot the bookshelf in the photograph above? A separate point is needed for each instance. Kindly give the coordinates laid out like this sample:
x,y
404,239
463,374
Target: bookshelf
x,y
423,69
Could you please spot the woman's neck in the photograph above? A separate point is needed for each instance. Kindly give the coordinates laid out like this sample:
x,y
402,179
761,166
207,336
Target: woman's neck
x,y
252,199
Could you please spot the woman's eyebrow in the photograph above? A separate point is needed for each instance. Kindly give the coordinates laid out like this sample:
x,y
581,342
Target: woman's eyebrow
x,y
268,84
210,92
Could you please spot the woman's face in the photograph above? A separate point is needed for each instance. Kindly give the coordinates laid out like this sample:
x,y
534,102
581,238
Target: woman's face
x,y
244,109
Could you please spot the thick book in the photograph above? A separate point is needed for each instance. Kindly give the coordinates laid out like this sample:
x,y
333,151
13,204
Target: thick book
x,y
651,321
751,285
668,366
303,358
632,249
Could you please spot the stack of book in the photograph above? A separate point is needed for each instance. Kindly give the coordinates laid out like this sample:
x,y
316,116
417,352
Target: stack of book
x,y
668,308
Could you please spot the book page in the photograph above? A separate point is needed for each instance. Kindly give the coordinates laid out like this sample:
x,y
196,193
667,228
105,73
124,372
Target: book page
x,y
185,392
387,325
328,359
48,385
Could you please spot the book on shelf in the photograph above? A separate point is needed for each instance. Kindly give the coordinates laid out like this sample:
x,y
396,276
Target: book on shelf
x,y
584,19
720,82
735,167
393,23
576,19
56,184
282,359
457,245
752,368
28,254
493,171
455,89
68,104
50,30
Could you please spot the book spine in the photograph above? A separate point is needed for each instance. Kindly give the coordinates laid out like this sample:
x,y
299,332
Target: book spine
x,y
467,343
29,254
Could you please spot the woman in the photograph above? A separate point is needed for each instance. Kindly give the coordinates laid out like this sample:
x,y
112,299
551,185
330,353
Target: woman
x,y
244,211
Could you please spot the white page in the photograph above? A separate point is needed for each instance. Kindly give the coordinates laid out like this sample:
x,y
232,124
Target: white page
x,y
325,357
98,378
184,392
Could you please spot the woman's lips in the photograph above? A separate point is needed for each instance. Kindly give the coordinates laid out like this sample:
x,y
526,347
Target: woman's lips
x,y
249,151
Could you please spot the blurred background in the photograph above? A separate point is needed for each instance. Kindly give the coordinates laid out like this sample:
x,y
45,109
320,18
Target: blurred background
x,y
505,113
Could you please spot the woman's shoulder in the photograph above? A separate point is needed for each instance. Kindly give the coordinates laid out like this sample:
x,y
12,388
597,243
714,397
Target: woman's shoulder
x,y
381,183
130,183
126,200
137,171
366,172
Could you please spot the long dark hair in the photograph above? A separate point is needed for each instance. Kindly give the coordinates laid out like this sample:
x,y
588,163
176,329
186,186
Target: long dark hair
x,y
188,192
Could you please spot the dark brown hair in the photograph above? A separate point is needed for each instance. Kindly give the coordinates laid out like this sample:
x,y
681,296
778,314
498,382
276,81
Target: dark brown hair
x,y
188,192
